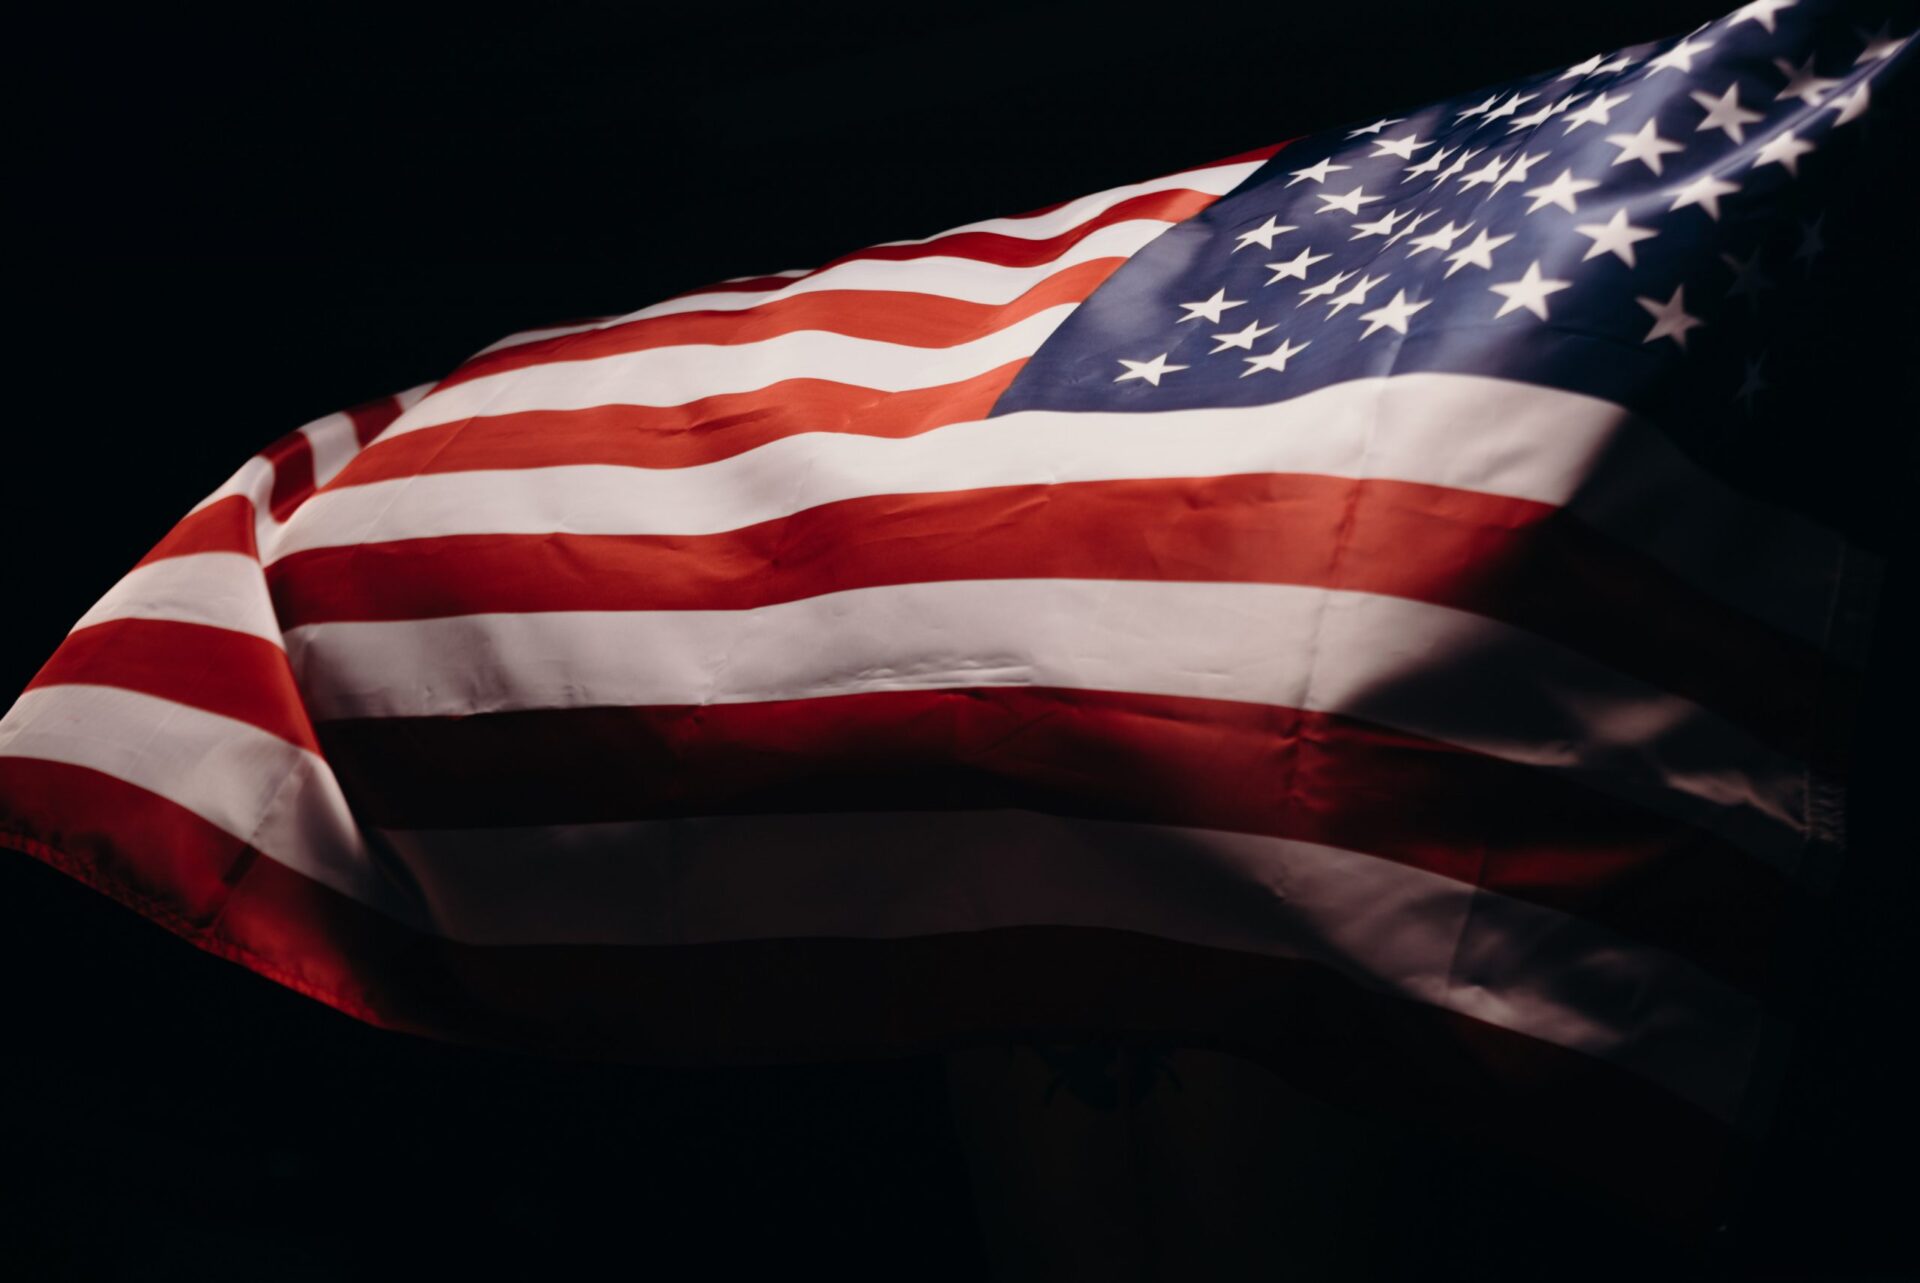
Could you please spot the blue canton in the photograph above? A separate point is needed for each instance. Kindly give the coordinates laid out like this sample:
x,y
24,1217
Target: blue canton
x,y
1625,225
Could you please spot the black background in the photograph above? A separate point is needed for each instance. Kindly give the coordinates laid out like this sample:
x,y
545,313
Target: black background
x,y
238,223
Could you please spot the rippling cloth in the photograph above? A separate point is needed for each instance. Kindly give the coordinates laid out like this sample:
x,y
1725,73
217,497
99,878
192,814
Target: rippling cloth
x,y
1310,604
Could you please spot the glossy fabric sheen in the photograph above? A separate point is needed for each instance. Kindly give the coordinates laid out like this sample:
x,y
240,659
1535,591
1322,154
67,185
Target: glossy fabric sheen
x,y
1230,577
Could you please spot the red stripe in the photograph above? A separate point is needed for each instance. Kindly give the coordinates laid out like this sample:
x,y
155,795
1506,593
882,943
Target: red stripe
x,y
884,316
225,525
829,999
371,419
292,460
147,851
216,669
1522,562
1096,754
717,427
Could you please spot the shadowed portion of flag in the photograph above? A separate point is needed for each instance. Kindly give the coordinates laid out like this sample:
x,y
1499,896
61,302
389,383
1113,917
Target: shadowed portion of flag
x,y
1311,604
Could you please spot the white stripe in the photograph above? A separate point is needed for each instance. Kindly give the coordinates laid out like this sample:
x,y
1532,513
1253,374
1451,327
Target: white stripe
x,y
1491,435
677,375
222,589
1215,180
1425,669
278,798
413,395
1401,930
333,443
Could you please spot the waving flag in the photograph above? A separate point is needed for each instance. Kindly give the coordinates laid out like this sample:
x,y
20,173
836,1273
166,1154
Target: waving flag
x,y
1308,603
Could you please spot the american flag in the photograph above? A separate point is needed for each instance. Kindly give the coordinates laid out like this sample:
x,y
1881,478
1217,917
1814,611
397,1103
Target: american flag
x,y
1304,604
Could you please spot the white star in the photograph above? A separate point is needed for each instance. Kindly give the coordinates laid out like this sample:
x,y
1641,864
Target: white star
x,y
1151,371
1760,11
1350,202
1620,62
1318,173
1411,227
1263,235
1541,116
1379,226
1881,44
1748,280
1536,116
1427,166
1242,338
1530,292
1725,113
1518,172
1376,126
1479,252
1275,360
1678,58
1401,147
1671,320
1441,239
1475,111
1510,106
1487,173
1597,112
1811,243
1295,267
1210,309
1802,83
1324,288
1458,165
1704,191
1851,106
1353,297
1579,70
1560,191
1782,149
1752,381
1647,147
1616,236
1392,316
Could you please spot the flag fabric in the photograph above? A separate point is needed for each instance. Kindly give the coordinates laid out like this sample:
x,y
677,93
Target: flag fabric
x,y
1308,604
